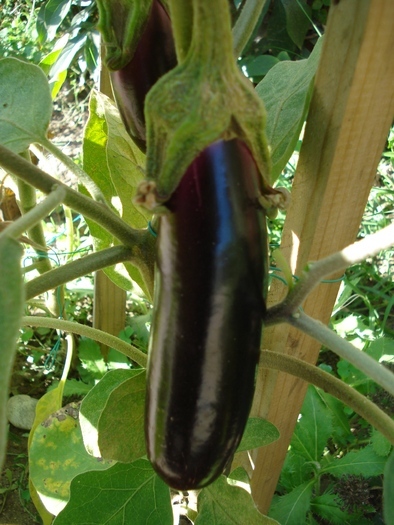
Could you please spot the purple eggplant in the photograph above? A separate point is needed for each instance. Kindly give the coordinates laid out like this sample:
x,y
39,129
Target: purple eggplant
x,y
154,56
209,304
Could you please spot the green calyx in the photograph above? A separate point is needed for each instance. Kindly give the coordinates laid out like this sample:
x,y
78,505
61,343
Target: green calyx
x,y
204,99
121,24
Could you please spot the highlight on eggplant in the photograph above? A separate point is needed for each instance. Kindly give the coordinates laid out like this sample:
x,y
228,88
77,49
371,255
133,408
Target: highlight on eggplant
x,y
211,283
154,56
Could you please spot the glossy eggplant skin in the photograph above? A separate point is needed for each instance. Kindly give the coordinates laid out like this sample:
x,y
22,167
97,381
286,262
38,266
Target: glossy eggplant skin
x,y
209,305
155,55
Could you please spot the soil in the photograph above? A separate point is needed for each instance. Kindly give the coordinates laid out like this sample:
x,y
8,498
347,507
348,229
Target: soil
x,y
16,507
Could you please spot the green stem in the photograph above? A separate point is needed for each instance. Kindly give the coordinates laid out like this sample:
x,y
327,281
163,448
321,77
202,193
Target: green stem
x,y
17,228
69,230
28,201
371,368
212,40
81,175
310,373
89,208
181,13
335,263
73,270
246,24
92,333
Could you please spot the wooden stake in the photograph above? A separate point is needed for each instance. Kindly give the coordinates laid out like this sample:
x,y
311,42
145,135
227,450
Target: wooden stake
x,y
109,305
350,115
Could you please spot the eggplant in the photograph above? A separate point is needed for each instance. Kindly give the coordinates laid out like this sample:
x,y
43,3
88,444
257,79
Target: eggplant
x,y
154,56
210,292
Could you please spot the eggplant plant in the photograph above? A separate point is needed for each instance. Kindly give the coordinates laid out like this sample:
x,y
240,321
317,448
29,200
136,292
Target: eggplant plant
x,y
188,222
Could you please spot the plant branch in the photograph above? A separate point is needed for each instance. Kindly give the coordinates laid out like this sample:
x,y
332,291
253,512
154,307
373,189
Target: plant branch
x,y
16,228
86,331
377,372
99,213
316,271
312,374
72,270
246,23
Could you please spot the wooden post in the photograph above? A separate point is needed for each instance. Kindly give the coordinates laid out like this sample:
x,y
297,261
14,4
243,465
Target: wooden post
x,y
109,305
351,112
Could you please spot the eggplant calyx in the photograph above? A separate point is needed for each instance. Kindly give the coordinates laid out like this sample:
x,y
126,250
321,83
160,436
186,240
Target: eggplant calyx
x,y
121,24
202,100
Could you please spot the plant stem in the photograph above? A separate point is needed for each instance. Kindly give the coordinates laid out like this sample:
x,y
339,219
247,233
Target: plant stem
x,y
28,201
99,213
37,213
246,24
316,271
82,176
141,241
181,13
92,333
377,372
72,270
312,374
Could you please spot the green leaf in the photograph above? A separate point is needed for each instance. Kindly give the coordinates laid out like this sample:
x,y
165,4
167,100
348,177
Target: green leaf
x,y
126,165
286,91
258,433
125,494
380,444
96,155
123,417
296,471
92,362
363,462
67,55
326,506
381,349
297,20
94,404
313,429
260,65
50,17
340,424
11,311
25,104
388,491
224,504
57,455
292,508
94,149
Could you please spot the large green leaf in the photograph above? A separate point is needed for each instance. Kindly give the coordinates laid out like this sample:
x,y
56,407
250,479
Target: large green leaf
x,y
11,311
327,507
286,91
225,504
115,165
292,508
123,417
388,491
125,494
258,433
363,462
97,433
126,165
296,471
57,455
25,104
314,428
